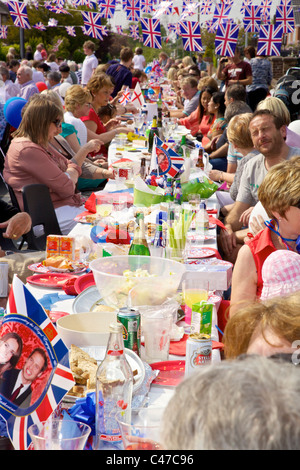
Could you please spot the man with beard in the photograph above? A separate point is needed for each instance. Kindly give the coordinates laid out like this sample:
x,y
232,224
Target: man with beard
x,y
268,134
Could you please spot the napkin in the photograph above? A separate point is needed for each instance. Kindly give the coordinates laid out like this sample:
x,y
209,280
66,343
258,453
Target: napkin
x,y
213,220
178,348
91,203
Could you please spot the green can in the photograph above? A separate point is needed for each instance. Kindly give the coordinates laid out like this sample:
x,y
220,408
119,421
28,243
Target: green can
x,y
131,321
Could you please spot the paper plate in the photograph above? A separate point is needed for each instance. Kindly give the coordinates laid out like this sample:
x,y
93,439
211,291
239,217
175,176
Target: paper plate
x,y
54,280
171,373
84,301
98,353
83,282
40,268
200,253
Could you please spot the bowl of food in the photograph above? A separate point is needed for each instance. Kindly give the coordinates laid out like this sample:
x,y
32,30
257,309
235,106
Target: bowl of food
x,y
86,328
115,276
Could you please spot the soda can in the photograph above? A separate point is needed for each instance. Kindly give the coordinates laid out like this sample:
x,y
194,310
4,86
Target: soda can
x,y
3,278
131,321
198,352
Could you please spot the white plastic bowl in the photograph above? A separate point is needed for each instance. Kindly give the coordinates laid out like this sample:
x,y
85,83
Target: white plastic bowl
x,y
114,286
85,329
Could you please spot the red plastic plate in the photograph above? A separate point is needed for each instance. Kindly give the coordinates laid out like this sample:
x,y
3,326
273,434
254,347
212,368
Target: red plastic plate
x,y
54,280
83,282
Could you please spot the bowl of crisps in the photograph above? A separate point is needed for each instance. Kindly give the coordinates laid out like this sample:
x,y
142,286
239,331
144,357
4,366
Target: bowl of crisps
x,y
115,276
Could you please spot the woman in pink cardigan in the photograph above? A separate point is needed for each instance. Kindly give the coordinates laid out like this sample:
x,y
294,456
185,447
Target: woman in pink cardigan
x,y
31,159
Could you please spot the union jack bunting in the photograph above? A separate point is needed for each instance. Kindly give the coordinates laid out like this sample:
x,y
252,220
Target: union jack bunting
x,y
173,163
71,31
252,18
285,3
221,13
191,35
18,13
133,10
146,6
52,22
26,317
244,3
126,96
270,39
226,39
189,10
165,8
56,8
134,31
88,3
266,11
151,33
285,17
92,23
205,7
3,32
40,26
211,26
107,8
119,29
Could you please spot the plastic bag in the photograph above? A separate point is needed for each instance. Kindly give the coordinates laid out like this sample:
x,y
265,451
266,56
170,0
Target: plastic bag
x,y
200,185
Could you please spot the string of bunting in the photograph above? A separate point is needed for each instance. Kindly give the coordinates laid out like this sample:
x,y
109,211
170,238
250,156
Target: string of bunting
x,y
256,19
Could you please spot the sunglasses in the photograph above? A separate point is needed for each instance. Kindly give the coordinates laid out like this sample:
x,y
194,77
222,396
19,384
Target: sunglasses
x,y
57,122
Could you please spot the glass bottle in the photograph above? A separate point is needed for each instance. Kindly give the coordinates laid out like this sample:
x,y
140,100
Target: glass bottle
x,y
159,242
114,383
152,133
139,245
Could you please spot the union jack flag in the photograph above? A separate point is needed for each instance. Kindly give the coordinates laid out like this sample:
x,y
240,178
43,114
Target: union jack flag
x,y
3,32
156,68
211,26
146,6
189,9
126,96
18,12
285,3
266,11
164,8
221,13
285,17
205,7
134,31
151,33
270,39
244,4
252,18
133,10
226,39
88,3
92,23
71,31
191,36
174,161
56,8
25,314
40,26
52,22
107,8
119,29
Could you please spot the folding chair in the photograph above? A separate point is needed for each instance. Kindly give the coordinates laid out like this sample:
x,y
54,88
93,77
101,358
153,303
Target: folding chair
x,y
38,204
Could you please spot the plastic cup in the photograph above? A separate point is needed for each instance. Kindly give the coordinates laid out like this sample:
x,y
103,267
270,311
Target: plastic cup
x,y
143,430
59,434
156,328
194,290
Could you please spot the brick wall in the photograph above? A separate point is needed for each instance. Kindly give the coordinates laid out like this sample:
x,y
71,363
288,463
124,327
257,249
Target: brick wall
x,y
280,65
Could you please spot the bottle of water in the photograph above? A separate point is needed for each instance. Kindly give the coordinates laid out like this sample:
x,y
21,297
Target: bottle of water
x,y
202,219
159,242
114,382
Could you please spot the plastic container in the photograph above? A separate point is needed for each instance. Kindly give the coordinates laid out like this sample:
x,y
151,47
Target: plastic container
x,y
115,276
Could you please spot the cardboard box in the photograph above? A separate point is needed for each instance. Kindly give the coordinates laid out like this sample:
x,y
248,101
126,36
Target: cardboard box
x,y
60,245
217,272
52,245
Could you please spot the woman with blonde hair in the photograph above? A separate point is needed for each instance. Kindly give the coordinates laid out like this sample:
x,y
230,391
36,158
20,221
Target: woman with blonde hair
x,y
30,159
187,61
279,194
265,328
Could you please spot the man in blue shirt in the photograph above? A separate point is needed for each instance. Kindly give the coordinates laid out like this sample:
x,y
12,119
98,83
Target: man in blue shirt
x,y
120,72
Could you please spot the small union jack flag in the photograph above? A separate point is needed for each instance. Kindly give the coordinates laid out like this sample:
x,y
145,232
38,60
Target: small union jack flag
x,y
165,8
221,13
270,39
3,32
191,35
88,3
211,26
92,23
71,31
27,317
266,11
146,6
226,39
107,8
189,9
151,33
205,7
40,26
119,29
52,22
244,4
126,96
18,12
133,10
134,31
285,17
252,18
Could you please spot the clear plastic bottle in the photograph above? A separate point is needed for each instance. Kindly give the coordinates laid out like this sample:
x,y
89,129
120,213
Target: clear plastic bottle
x,y
202,219
114,382
159,242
